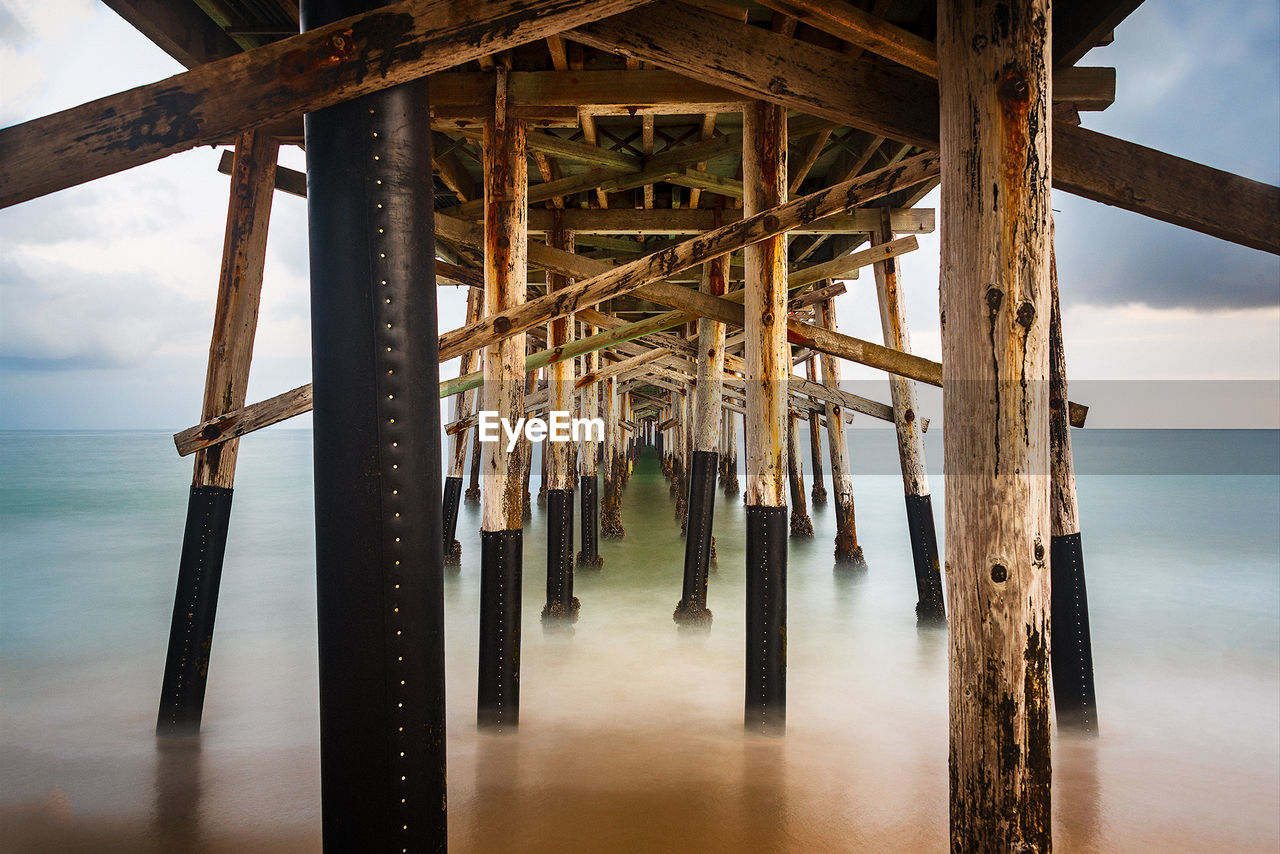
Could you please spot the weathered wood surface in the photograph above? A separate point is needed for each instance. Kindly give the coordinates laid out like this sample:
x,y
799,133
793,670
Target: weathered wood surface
x,y
669,164
846,264
903,105
549,94
557,147
642,222
893,323
768,362
710,379
235,321
462,275
995,298
625,278
847,550
814,296
819,493
695,221
324,66
182,30
560,379
589,399
801,524
505,272
1064,508
464,403
1087,88
1081,25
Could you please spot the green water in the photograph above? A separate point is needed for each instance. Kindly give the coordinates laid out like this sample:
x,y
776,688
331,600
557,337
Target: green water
x,y
631,734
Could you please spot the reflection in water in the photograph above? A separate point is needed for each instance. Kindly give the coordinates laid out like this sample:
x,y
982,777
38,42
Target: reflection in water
x,y
764,793
1077,794
175,822
631,736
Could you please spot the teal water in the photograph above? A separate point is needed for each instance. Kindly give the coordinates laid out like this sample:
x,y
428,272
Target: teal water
x,y
631,736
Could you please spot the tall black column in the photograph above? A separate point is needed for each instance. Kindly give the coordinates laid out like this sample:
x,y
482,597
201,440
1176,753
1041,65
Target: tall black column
x,y
588,489
561,603
194,607
692,608
449,510
379,559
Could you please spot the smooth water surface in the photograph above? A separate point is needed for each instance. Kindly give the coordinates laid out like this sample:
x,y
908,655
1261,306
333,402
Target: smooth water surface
x,y
631,733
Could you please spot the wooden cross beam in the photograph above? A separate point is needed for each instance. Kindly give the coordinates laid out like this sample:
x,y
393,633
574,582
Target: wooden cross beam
x,y
631,222
324,66
563,95
646,273
902,104
1086,88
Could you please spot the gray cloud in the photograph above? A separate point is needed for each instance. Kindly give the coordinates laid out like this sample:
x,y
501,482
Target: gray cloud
x,y
1201,81
1108,256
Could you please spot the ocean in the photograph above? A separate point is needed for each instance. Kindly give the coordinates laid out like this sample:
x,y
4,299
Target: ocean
x,y
631,735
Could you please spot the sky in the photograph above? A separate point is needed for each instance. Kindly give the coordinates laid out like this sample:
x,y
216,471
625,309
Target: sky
x,y
107,289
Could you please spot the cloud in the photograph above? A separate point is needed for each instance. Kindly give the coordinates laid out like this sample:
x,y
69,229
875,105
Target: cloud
x,y
1107,256
1199,81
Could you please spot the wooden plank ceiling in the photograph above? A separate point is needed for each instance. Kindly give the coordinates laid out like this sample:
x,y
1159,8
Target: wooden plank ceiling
x,y
631,149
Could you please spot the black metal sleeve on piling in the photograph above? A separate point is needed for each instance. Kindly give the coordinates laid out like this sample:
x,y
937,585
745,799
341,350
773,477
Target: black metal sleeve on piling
x,y
561,603
501,567
376,436
692,609
766,696
449,510
589,556
195,605
924,551
1072,650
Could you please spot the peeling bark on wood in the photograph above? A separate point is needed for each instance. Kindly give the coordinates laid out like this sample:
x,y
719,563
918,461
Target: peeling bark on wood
x,y
768,361
903,105
996,147
505,183
847,551
239,292
327,65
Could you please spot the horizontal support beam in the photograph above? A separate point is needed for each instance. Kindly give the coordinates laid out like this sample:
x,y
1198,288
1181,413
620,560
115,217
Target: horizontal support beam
x,y
555,94
900,104
644,275
695,221
846,264
642,222
327,65
1086,88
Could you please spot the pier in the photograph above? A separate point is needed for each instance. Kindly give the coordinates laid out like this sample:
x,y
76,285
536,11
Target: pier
x,y
655,209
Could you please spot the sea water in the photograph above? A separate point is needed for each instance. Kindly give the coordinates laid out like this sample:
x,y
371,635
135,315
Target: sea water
x,y
631,735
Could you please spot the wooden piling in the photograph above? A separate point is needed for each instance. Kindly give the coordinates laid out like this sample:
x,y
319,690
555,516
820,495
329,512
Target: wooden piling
x,y
526,447
502,505
588,479
463,406
684,462
848,554
994,82
558,460
707,415
768,363
1074,699
819,494
226,382
376,432
801,524
920,525
729,466
611,506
